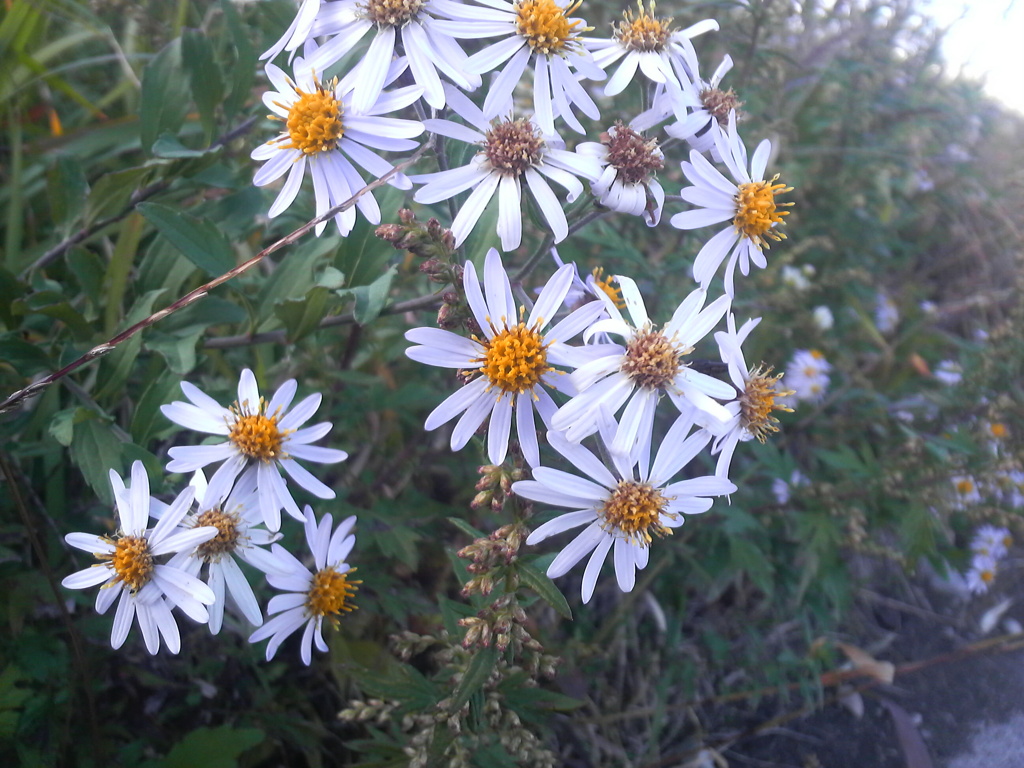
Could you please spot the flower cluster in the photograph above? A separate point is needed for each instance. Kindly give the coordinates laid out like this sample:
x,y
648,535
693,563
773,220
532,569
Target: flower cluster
x,y
989,545
211,526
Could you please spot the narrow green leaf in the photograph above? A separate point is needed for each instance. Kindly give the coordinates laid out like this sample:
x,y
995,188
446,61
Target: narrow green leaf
x,y
302,316
200,241
204,77
370,299
477,672
66,189
243,71
544,587
111,193
212,747
24,357
178,350
165,96
95,451
169,147
466,528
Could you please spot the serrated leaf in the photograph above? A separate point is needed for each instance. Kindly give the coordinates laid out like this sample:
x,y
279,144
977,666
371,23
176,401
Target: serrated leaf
x,y
204,77
199,240
544,587
165,101
476,674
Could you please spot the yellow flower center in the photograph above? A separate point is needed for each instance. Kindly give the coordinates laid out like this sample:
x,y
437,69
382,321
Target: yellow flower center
x,y
605,284
652,361
634,510
756,211
314,121
226,540
390,13
987,576
132,561
256,435
546,25
998,430
331,592
758,401
515,359
642,31
964,487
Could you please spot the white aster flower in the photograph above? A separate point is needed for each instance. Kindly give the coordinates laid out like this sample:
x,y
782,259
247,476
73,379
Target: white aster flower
x,y
949,372
326,132
127,568
887,314
298,32
794,277
965,491
537,31
409,26
748,204
235,513
751,411
515,359
981,574
263,438
623,506
992,541
807,375
629,163
650,363
310,597
512,152
823,318
648,43
781,489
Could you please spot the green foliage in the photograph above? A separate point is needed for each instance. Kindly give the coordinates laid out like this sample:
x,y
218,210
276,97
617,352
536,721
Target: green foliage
x,y
126,183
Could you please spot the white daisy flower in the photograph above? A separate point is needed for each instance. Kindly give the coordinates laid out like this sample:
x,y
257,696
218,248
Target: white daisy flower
x,y
310,597
537,31
807,375
512,152
515,359
949,372
326,132
823,318
992,541
406,25
981,574
887,314
127,568
235,513
748,205
751,411
782,489
623,506
263,438
298,32
965,491
628,181
648,43
651,362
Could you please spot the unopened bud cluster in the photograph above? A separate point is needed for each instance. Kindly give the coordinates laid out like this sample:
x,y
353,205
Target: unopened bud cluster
x,y
427,241
500,624
488,555
494,488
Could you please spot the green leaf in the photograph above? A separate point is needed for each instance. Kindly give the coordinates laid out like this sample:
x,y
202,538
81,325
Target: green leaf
x,y
66,189
168,146
466,528
178,350
146,418
243,71
165,96
370,299
544,587
302,316
212,747
111,193
204,77
24,357
476,674
200,241
95,451
747,557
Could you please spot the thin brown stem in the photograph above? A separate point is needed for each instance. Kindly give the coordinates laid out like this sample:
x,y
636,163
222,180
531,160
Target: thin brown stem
x,y
195,295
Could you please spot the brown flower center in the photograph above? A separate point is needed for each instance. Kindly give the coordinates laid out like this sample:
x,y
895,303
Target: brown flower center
x,y
634,509
226,540
390,13
634,157
652,361
720,103
513,146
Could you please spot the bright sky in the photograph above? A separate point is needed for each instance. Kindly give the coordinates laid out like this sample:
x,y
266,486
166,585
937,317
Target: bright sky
x,y
986,40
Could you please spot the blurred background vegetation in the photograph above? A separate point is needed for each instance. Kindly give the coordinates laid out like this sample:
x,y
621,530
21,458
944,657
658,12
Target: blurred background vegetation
x,y
126,129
